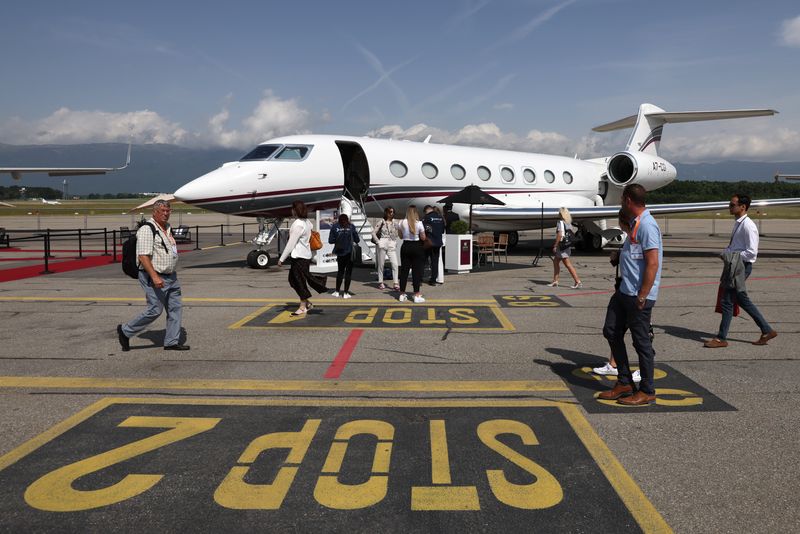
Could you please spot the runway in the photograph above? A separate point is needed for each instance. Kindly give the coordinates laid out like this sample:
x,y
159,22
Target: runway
x,y
406,396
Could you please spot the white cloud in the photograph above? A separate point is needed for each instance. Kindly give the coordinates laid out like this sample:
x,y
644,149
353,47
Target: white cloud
x,y
790,32
66,126
272,117
484,135
777,144
503,106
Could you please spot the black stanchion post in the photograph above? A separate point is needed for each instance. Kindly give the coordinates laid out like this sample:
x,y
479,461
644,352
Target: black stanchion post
x,y
243,239
47,245
47,253
105,242
221,236
114,244
80,245
197,237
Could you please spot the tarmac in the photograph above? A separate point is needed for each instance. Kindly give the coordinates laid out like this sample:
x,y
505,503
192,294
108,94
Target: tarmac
x,y
492,345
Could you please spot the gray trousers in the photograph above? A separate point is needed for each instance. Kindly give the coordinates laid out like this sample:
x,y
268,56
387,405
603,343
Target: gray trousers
x,y
157,299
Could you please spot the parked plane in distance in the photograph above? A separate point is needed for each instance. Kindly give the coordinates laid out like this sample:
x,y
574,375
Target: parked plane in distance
x,y
17,172
325,171
51,202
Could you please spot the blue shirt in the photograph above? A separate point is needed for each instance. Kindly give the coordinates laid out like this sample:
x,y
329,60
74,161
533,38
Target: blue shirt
x,y
631,259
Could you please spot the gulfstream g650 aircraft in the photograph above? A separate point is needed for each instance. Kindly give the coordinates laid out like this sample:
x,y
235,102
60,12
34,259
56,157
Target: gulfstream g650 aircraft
x,y
365,174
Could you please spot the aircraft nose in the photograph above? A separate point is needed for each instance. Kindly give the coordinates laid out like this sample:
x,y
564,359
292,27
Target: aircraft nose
x,y
186,192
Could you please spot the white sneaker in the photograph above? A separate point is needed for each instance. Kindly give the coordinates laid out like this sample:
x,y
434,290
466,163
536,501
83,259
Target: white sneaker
x,y
335,294
419,299
403,297
606,370
346,295
637,377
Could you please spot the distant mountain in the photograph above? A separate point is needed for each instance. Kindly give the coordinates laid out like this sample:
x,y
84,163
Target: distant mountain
x,y
158,167
164,168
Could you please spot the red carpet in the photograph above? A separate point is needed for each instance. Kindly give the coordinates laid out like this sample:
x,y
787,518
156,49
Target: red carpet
x,y
18,273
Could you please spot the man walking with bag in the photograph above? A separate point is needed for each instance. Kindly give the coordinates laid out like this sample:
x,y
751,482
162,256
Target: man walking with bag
x,y
640,271
739,257
158,257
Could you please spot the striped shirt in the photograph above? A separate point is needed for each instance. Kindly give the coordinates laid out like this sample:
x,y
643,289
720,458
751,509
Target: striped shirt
x,y
162,249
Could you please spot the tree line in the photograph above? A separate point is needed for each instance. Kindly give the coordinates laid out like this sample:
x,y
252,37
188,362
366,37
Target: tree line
x,y
14,192
703,191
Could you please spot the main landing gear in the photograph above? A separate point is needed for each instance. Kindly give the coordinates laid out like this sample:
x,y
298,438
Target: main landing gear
x,y
260,258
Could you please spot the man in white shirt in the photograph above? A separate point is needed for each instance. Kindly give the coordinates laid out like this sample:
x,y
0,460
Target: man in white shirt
x,y
744,240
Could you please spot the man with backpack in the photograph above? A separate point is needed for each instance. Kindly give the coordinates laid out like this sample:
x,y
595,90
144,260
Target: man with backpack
x,y
157,256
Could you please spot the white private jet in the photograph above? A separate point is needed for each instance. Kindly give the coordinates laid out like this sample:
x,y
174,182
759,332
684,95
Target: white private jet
x,y
17,172
51,202
365,174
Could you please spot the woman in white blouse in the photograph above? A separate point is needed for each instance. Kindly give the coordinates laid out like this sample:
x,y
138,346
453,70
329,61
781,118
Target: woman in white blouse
x,y
300,276
412,253
562,254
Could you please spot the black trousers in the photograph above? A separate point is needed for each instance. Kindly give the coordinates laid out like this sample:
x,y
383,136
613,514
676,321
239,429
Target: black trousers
x,y
300,278
344,271
432,256
412,257
623,314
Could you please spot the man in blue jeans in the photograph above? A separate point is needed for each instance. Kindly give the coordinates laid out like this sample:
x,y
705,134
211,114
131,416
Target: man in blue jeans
x,y
744,240
640,270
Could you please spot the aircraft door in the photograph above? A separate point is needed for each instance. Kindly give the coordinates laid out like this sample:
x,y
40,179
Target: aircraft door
x,y
356,170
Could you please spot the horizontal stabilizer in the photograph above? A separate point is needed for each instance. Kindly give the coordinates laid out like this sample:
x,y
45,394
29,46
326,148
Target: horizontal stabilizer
x,y
685,116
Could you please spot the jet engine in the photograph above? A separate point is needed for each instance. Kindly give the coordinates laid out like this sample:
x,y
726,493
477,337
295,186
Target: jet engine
x,y
649,171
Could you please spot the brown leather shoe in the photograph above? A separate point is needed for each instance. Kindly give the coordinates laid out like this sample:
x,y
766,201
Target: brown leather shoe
x,y
765,337
715,344
640,398
616,392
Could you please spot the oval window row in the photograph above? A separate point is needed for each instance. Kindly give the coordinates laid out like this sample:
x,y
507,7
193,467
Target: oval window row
x,y
430,171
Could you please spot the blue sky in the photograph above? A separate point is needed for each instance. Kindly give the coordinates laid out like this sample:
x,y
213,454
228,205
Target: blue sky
x,y
524,74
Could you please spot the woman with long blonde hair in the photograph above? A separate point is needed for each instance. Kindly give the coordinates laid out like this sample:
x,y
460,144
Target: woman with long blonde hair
x,y
412,254
561,252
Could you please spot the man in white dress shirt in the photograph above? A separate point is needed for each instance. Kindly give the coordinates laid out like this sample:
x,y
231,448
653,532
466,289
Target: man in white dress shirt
x,y
744,240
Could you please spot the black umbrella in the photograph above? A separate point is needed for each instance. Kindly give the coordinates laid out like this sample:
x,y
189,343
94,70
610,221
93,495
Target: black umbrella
x,y
472,194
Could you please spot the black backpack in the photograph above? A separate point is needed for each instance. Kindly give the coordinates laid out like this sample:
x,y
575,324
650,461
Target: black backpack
x,y
130,260
344,240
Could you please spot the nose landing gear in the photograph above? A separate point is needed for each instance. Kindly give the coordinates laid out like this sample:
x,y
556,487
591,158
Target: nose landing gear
x,y
260,258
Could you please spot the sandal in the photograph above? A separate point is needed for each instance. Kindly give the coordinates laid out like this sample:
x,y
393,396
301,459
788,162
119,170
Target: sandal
x,y
299,311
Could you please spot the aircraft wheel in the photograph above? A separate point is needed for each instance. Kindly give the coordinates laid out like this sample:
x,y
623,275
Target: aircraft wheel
x,y
258,259
513,239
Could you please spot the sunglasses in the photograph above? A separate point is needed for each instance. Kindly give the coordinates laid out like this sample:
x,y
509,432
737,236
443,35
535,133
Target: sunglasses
x,y
733,205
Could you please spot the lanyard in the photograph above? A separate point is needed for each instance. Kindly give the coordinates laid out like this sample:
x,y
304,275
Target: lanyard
x,y
739,224
635,230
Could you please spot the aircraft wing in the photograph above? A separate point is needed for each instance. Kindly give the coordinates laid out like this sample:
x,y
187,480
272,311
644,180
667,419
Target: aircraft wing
x,y
502,213
17,172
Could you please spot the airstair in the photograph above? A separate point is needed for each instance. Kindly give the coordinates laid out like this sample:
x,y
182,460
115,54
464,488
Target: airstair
x,y
355,211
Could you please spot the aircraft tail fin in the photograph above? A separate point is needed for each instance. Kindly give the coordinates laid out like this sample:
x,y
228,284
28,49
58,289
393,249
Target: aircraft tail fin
x,y
649,123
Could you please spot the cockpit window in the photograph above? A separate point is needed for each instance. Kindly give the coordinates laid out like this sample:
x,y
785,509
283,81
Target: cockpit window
x,y
293,152
260,152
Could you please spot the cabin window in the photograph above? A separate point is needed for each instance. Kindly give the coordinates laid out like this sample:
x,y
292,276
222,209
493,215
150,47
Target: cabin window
x,y
484,173
293,152
260,152
458,172
567,177
507,173
398,168
549,177
429,170
528,175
